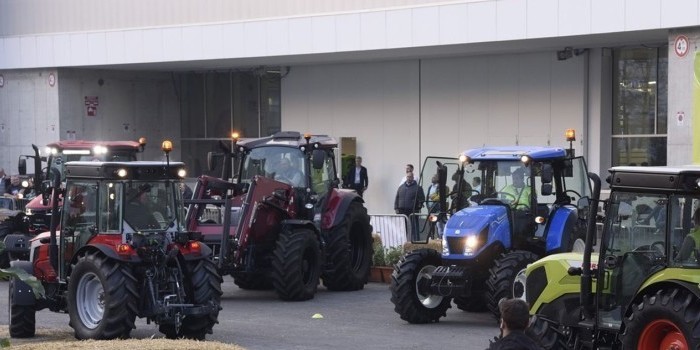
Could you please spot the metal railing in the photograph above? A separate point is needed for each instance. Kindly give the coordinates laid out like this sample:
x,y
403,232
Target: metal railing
x,y
392,228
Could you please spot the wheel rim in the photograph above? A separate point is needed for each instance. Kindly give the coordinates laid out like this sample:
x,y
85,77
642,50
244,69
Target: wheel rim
x,y
662,334
428,300
89,300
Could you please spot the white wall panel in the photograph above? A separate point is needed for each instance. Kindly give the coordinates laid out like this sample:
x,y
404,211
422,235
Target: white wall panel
x,y
679,13
481,21
13,52
373,33
116,47
233,35
97,50
542,18
44,48
398,28
153,45
28,54
79,49
642,14
347,32
323,34
574,17
511,19
425,26
133,46
534,99
254,38
192,43
172,37
300,35
607,16
453,24
277,37
211,47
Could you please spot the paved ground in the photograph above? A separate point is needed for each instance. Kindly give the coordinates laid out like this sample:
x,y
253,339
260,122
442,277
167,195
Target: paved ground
x,y
351,320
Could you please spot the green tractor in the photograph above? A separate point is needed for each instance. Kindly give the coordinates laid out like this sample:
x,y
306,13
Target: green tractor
x,y
639,286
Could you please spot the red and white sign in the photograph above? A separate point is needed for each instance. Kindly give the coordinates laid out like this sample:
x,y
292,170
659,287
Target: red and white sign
x,y
91,103
681,45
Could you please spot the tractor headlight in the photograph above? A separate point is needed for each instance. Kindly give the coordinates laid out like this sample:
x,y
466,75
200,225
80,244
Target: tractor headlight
x,y
121,172
181,173
25,183
99,150
470,245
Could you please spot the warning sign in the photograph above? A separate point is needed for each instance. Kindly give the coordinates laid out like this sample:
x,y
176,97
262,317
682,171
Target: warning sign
x,y
91,103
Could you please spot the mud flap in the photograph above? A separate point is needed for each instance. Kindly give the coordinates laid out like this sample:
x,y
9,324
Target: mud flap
x,y
23,294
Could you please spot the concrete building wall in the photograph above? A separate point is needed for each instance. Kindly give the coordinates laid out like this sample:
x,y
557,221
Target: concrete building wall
x,y
402,111
684,134
130,105
29,113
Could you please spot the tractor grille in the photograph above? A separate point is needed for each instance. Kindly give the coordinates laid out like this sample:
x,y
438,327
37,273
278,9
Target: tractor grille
x,y
536,283
456,244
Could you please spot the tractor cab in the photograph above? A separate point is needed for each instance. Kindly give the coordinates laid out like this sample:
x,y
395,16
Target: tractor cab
x,y
639,290
115,203
508,196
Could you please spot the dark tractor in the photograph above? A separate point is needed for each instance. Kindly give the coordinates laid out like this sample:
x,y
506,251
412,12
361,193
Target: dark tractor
x,y
526,207
285,223
119,251
639,288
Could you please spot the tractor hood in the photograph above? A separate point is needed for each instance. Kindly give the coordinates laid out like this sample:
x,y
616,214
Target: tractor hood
x,y
487,223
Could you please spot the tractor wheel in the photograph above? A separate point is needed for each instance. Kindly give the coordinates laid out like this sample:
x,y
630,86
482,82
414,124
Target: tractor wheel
x,y
202,287
502,275
22,317
665,320
412,273
474,303
4,259
102,298
296,265
251,281
349,251
546,333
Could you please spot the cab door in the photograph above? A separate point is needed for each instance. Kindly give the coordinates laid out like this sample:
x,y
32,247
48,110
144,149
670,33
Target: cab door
x,y
79,219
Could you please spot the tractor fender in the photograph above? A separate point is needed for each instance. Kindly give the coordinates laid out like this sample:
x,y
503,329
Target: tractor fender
x,y
300,223
559,229
670,283
338,204
204,253
17,242
23,293
108,251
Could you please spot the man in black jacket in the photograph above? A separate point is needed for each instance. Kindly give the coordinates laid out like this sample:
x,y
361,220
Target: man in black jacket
x,y
515,318
409,199
356,178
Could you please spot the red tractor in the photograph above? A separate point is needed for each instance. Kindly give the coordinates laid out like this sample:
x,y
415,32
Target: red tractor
x,y
117,251
37,213
283,223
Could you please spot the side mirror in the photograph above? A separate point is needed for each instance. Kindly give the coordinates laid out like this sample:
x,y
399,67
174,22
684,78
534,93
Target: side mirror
x,y
318,157
212,159
547,174
546,189
22,166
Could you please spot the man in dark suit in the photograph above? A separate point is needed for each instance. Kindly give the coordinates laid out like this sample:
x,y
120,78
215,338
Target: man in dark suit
x,y
356,178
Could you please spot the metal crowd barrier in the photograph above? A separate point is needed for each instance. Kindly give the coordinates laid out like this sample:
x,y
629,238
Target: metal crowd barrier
x,y
392,228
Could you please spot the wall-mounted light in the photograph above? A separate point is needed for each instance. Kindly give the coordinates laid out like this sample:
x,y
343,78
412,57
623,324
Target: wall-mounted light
x,y
569,52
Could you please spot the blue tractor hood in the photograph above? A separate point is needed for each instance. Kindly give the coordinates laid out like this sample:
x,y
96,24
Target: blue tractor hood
x,y
488,223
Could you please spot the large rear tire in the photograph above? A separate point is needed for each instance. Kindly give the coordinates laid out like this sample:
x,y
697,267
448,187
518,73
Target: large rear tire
x,y
202,287
660,320
546,333
22,317
252,281
102,298
473,303
296,265
416,269
502,275
349,251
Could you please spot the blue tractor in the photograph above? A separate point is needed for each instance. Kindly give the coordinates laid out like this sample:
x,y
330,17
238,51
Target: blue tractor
x,y
524,206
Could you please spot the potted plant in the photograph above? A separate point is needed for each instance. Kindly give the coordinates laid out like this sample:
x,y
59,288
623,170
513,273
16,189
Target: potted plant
x,y
383,261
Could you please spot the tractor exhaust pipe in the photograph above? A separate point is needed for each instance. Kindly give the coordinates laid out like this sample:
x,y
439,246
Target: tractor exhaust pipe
x,y
55,193
588,307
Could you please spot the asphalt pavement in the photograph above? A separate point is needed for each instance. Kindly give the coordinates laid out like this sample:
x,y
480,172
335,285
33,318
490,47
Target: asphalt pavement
x,y
351,320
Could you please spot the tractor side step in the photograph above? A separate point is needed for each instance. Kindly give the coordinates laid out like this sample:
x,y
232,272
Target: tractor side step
x,y
455,272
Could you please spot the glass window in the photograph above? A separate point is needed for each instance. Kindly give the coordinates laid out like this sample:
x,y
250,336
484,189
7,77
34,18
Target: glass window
x,y
640,113
215,103
152,205
284,164
110,197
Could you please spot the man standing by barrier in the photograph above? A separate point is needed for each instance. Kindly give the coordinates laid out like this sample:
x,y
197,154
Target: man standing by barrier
x,y
357,178
409,199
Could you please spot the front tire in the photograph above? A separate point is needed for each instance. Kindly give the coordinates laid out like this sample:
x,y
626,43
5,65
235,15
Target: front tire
x,y
502,275
546,333
202,287
669,316
102,298
349,251
296,265
412,271
22,317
